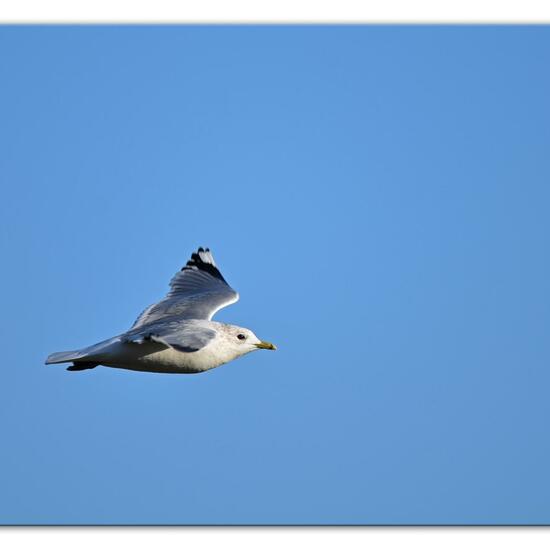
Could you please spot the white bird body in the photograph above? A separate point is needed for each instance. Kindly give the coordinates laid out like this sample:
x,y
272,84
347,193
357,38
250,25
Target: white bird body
x,y
176,335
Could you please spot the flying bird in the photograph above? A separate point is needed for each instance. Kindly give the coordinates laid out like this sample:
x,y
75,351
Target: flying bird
x,y
175,335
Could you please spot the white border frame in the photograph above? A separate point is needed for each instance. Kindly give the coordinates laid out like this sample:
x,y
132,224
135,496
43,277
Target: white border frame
x,y
272,11
295,12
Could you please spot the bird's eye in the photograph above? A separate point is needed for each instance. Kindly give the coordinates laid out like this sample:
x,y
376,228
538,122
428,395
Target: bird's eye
x,y
241,336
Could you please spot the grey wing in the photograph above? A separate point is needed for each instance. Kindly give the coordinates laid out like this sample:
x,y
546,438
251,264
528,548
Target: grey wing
x,y
198,291
185,336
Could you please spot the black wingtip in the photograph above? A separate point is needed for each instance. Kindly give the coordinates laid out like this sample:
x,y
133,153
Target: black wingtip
x,y
84,365
202,260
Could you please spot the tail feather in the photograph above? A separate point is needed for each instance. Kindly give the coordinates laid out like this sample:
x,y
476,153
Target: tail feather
x,y
64,357
90,353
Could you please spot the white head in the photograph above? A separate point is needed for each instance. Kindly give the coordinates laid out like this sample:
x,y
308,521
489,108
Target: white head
x,y
239,341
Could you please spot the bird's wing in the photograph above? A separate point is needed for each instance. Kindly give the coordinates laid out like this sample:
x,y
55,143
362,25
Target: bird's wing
x,y
181,335
198,291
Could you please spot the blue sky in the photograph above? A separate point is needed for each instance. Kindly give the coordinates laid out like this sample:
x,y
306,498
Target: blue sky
x,y
379,196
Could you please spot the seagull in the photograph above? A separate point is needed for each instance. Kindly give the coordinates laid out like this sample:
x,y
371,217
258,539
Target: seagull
x,y
175,335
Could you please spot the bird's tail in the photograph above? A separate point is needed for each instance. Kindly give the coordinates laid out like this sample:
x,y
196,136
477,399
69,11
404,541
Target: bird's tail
x,y
90,353
64,357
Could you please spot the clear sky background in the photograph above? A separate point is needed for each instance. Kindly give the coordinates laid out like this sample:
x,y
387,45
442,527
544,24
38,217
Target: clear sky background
x,y
379,196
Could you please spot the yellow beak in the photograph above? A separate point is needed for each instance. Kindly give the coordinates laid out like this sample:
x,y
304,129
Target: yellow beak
x,y
265,345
